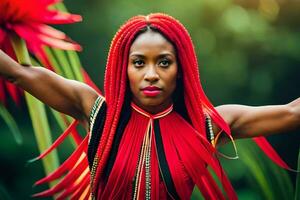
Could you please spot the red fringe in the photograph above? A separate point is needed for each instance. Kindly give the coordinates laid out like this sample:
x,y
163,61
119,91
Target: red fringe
x,y
59,140
271,153
67,165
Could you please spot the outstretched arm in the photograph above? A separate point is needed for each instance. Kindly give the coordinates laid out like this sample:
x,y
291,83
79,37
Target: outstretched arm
x,y
67,96
248,121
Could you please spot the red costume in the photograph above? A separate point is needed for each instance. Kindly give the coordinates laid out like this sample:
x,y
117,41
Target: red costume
x,y
133,154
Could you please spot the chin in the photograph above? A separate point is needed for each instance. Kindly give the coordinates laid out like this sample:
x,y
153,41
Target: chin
x,y
151,102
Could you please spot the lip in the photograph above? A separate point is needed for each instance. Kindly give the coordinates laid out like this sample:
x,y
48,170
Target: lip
x,y
151,91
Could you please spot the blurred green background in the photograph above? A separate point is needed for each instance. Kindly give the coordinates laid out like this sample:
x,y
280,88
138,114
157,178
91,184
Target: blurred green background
x,y
248,53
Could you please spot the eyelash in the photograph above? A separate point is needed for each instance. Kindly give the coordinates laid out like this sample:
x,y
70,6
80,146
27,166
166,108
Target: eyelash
x,y
165,60
135,63
139,63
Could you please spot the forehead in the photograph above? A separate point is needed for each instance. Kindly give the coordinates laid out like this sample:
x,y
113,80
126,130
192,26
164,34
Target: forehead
x,y
151,40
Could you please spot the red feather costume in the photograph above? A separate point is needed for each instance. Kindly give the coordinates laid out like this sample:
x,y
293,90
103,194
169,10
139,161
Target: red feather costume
x,y
131,154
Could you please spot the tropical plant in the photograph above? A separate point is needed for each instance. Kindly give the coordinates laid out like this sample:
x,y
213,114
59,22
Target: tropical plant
x,y
24,25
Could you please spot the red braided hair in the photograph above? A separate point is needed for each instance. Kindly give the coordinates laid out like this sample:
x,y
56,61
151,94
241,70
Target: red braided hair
x,y
116,79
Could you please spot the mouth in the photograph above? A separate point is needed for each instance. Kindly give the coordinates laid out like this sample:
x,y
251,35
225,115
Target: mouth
x,y
151,91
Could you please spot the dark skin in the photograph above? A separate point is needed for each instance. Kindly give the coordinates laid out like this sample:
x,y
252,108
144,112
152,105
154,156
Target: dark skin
x,y
67,96
152,61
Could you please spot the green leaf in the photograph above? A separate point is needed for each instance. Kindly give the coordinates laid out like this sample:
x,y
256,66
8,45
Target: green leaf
x,y
63,63
53,61
42,131
72,55
249,156
12,125
272,181
59,119
20,49
75,65
196,194
4,195
60,6
37,112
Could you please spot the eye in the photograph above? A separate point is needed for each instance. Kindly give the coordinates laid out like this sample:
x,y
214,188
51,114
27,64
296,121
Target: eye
x,y
165,63
138,63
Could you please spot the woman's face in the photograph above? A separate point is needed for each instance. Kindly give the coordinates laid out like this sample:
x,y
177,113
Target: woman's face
x,y
152,71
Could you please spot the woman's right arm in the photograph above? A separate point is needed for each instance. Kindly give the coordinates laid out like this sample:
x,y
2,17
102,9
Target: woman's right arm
x,y
67,96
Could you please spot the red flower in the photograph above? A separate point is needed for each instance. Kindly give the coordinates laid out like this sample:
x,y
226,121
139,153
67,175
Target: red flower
x,y
28,19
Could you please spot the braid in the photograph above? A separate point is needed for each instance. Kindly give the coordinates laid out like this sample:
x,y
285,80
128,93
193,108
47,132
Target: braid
x,y
195,99
188,61
115,87
115,81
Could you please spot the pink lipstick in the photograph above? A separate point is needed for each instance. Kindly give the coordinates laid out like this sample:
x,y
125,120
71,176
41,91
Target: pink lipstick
x,y
151,91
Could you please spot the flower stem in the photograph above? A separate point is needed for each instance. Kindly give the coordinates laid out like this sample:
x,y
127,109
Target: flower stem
x,y
20,50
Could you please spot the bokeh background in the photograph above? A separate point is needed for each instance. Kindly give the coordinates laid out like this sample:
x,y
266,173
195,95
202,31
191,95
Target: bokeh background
x,y
248,53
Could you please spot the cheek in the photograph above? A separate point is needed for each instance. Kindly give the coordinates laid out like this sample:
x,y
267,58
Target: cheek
x,y
173,80
173,85
170,82
132,79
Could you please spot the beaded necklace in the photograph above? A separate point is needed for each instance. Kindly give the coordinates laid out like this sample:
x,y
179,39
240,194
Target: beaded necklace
x,y
145,154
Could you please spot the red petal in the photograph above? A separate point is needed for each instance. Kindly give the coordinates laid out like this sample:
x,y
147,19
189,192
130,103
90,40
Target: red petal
x,y
8,49
39,52
2,36
50,2
13,91
2,92
47,30
60,43
57,17
31,36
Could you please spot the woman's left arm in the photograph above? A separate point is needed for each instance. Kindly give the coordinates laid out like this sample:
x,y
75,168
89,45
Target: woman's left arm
x,y
253,121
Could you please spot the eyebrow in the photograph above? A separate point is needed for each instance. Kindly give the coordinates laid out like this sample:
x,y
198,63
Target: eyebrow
x,y
137,54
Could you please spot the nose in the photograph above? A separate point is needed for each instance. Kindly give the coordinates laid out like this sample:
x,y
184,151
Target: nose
x,y
151,74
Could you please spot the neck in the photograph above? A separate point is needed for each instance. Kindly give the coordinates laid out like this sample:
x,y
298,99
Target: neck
x,y
152,115
154,109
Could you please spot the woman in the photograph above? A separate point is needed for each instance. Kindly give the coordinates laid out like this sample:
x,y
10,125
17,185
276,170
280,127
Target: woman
x,y
154,133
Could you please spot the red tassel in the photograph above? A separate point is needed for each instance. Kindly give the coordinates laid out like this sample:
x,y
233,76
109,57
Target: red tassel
x,y
66,181
271,153
67,165
81,192
58,141
195,152
77,138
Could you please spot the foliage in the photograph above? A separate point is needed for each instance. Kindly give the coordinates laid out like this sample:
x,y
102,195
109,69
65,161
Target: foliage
x,y
248,53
